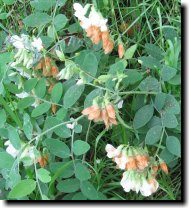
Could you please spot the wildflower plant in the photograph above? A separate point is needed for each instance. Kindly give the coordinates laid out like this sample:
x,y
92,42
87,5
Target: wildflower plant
x,y
90,104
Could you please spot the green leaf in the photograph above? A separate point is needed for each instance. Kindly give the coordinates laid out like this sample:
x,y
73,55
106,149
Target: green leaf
x,y
78,128
80,147
61,3
81,172
149,62
68,172
72,95
9,2
25,102
30,84
79,196
153,135
37,19
173,145
2,118
89,98
40,88
56,93
27,126
171,105
89,190
87,61
160,100
22,189
176,80
143,116
41,109
130,51
43,5
169,120
68,185
149,84
74,44
167,73
154,51
62,131
14,137
43,175
6,160
166,156
133,76
58,148
60,21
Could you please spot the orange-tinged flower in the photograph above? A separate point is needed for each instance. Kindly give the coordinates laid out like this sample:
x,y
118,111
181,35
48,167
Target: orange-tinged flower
x,y
142,161
121,50
43,160
164,167
109,47
90,31
107,115
54,108
50,88
131,164
54,71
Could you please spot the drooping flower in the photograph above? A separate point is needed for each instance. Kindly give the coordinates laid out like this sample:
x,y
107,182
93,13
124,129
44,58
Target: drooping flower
x,y
37,43
28,50
95,26
164,167
48,67
138,182
43,160
121,50
97,114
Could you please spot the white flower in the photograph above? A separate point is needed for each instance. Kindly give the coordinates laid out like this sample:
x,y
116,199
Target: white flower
x,y
70,125
110,151
80,82
37,43
120,104
28,151
95,17
10,149
85,23
17,42
80,11
148,188
22,95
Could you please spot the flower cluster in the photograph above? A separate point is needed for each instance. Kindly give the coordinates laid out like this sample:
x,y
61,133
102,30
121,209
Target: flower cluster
x,y
95,26
48,66
28,50
105,113
140,168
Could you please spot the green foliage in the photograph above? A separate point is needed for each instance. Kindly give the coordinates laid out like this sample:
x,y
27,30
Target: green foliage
x,y
81,172
72,95
45,159
153,135
57,148
22,189
173,145
80,147
40,109
6,160
37,19
143,116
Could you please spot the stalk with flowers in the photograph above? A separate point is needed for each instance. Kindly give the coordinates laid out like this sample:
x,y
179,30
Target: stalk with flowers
x,y
77,79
